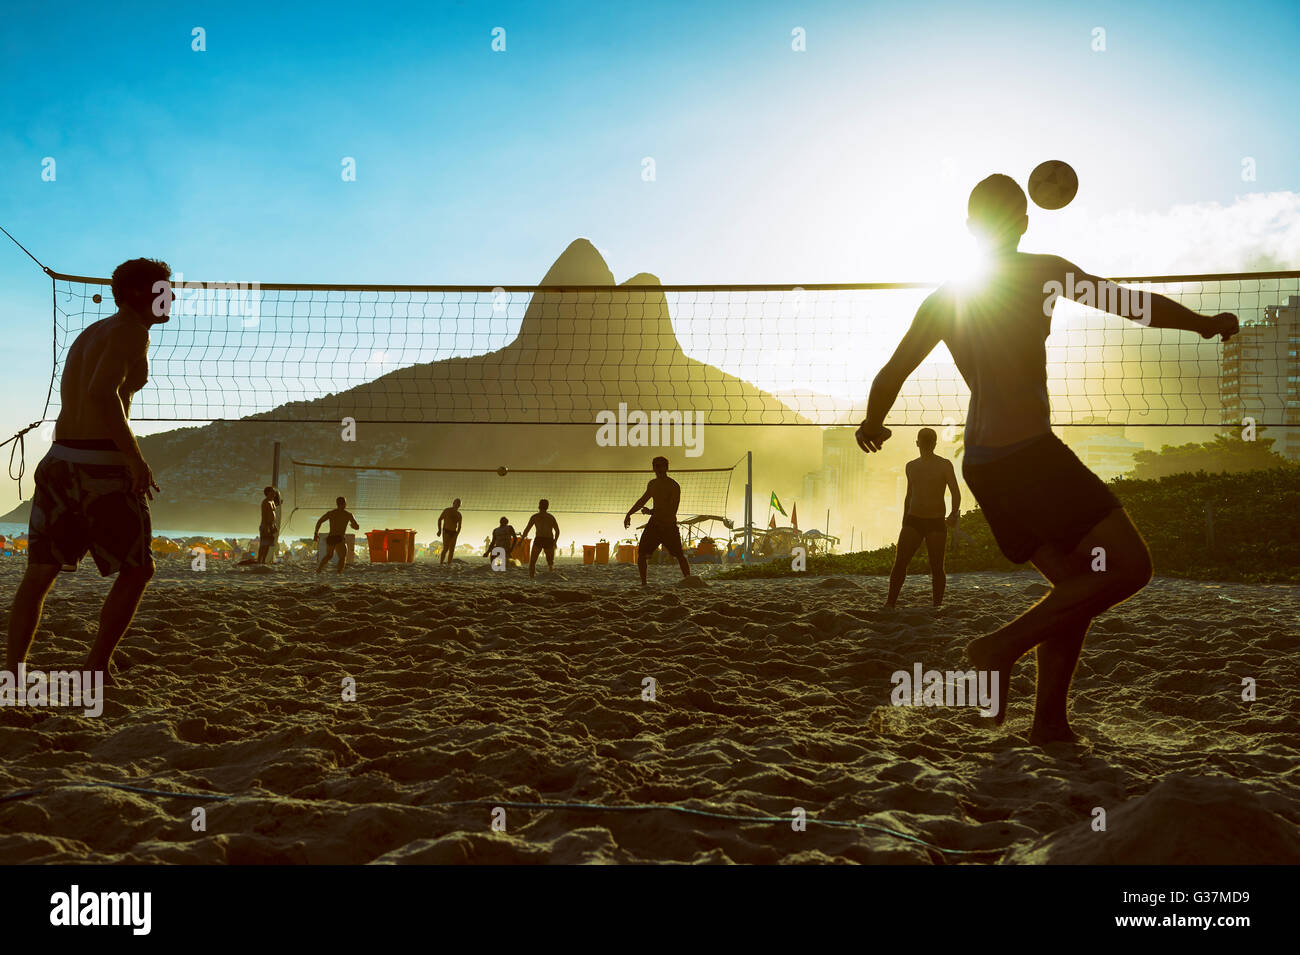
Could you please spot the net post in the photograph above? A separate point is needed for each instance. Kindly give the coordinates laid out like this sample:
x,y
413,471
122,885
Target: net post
x,y
749,502
275,466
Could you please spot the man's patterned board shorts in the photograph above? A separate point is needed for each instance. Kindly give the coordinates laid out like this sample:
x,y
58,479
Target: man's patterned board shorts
x,y
83,502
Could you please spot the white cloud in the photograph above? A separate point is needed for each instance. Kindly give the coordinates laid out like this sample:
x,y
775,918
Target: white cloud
x,y
1256,232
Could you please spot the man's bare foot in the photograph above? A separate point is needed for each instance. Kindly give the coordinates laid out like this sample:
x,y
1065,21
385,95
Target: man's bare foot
x,y
983,653
1042,735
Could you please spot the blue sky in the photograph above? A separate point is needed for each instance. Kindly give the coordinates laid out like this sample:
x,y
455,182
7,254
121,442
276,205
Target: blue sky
x,y
847,162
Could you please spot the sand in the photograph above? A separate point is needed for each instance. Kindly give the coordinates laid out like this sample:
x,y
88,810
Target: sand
x,y
771,696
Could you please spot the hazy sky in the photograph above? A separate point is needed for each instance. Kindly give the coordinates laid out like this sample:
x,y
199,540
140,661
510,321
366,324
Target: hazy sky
x,y
849,161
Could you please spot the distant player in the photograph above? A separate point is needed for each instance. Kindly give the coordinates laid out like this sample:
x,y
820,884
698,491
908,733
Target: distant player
x,y
1040,501
662,526
93,487
449,530
336,541
504,537
548,532
268,532
923,516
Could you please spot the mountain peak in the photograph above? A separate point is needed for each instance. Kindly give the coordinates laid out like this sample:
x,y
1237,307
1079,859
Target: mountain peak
x,y
580,264
617,325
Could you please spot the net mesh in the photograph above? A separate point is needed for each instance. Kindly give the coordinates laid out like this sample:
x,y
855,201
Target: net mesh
x,y
743,355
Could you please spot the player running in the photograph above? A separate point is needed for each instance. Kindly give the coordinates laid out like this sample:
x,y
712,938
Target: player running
x,y
336,542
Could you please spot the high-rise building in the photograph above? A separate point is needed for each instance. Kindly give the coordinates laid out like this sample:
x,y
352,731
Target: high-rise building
x,y
1260,375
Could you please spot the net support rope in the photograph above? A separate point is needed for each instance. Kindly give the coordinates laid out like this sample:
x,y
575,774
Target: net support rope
x,y
524,805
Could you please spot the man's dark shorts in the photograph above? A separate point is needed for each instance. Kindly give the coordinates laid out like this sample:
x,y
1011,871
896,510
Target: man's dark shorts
x,y
925,525
655,534
1040,494
544,544
83,502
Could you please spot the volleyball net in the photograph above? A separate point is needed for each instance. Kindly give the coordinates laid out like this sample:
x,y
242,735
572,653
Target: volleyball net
x,y
741,354
376,488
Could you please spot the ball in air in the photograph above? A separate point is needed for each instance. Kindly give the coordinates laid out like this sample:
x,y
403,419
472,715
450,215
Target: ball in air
x,y
97,298
1053,184
502,471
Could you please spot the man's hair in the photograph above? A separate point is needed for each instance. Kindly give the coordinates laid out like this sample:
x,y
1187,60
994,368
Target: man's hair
x,y
927,437
456,503
341,501
504,521
660,463
269,489
543,504
133,282
997,202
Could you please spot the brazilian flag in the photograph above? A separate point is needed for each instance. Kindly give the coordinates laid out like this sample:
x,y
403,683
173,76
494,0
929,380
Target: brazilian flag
x,y
774,503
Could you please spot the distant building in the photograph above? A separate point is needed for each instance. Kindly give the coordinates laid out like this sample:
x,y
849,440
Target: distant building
x,y
1105,451
864,497
1260,375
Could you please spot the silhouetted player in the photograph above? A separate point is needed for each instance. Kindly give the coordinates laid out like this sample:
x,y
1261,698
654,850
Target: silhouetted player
x,y
336,541
268,532
548,532
1041,503
93,487
449,530
504,537
662,526
927,478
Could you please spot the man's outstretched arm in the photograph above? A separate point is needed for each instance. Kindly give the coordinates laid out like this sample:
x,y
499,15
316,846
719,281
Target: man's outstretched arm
x,y
919,341
1148,308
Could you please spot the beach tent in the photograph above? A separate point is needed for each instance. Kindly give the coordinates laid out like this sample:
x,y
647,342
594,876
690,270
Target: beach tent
x,y
161,545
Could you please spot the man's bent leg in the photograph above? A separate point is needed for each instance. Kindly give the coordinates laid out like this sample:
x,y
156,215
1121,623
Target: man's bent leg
x,y
1079,596
25,614
1057,656
909,539
118,611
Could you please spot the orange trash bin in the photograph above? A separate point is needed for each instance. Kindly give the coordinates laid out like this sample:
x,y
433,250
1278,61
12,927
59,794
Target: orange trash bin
x,y
602,552
588,553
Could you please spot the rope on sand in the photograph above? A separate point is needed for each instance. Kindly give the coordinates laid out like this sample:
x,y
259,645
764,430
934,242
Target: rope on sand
x,y
543,806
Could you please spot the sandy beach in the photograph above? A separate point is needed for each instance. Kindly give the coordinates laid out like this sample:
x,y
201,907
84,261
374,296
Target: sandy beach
x,y
770,696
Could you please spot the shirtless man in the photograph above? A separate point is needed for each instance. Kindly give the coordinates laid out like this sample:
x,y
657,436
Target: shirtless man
x,y
1041,503
268,532
503,537
336,541
662,526
449,530
927,478
548,532
93,487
